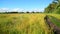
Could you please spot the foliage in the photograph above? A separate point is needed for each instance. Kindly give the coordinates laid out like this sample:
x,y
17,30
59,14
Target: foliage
x,y
54,7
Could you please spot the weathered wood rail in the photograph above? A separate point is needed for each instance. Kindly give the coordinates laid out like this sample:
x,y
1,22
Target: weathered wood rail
x,y
56,29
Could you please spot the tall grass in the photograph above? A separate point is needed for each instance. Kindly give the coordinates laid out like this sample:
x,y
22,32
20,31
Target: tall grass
x,y
23,24
55,18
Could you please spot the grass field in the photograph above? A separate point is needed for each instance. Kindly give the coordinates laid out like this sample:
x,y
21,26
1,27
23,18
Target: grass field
x,y
24,24
55,18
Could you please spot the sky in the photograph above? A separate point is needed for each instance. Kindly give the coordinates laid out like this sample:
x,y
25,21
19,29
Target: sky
x,y
24,4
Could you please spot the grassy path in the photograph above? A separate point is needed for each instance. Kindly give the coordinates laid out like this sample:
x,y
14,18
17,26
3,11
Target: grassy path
x,y
55,29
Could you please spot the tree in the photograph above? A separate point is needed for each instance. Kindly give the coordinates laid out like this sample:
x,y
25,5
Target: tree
x,y
50,8
54,7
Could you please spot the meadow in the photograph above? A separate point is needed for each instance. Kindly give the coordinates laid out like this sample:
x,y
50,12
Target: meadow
x,y
24,24
55,18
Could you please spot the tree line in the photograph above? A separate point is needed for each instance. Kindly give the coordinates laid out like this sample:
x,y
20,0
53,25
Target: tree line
x,y
18,12
53,7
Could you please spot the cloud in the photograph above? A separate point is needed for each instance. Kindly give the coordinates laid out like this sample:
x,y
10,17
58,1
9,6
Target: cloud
x,y
38,9
9,9
20,10
17,9
4,9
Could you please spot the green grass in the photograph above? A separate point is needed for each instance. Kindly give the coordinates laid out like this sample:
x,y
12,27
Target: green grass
x,y
55,18
23,24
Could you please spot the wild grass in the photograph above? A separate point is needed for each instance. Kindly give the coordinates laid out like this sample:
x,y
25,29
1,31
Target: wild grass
x,y
23,24
55,18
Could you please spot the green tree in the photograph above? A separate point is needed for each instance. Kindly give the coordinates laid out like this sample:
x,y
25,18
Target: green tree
x,y
54,7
